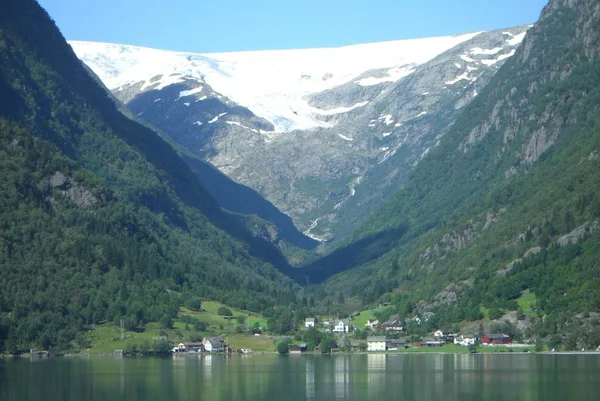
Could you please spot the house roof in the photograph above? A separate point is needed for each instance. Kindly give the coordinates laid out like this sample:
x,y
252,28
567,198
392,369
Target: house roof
x,y
398,341
376,339
310,320
497,336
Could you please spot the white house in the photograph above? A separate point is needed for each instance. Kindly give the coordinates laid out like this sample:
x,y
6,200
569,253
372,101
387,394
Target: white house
x,y
376,343
341,326
309,322
464,341
372,324
213,344
438,334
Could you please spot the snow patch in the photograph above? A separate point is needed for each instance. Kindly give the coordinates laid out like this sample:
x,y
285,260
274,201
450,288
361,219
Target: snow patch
x,y
421,114
516,39
338,110
190,92
458,65
345,137
393,75
198,123
157,100
242,126
467,58
387,119
488,52
214,120
386,134
186,104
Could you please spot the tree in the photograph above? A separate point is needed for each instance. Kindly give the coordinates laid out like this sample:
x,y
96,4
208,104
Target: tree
x,y
162,347
327,344
166,322
200,326
193,304
283,347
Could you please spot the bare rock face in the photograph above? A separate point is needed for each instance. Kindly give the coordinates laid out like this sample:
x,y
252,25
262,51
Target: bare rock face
x,y
578,234
72,190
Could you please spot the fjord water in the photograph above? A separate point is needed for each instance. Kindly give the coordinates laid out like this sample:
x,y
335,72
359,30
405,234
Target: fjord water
x,y
416,377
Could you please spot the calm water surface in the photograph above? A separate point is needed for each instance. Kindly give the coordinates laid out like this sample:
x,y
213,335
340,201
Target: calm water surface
x,y
339,377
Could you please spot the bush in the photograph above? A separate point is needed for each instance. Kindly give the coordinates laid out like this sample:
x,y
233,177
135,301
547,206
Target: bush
x,y
283,347
223,311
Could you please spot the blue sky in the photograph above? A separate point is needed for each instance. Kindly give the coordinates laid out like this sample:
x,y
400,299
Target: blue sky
x,y
235,25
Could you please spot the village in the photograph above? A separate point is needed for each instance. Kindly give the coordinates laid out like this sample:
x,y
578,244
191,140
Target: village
x,y
385,336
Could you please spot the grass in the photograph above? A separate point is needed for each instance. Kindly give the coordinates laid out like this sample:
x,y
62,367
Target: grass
x,y
360,320
527,303
106,338
256,344
486,313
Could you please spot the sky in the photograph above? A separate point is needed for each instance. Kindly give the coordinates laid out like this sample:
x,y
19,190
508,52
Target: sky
x,y
205,26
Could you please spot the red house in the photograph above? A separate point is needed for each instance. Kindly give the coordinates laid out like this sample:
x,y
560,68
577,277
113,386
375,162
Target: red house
x,y
496,339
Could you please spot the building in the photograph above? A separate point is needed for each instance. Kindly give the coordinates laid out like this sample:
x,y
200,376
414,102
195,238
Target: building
x,y
501,339
214,344
434,343
179,348
376,343
309,322
298,348
438,334
464,341
341,326
392,325
194,347
372,324
396,343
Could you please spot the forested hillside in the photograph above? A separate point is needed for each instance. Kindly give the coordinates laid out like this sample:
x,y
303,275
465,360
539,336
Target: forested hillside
x,y
507,204
100,220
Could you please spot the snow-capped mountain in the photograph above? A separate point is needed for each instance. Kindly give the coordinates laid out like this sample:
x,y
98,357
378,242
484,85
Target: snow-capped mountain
x,y
322,133
272,84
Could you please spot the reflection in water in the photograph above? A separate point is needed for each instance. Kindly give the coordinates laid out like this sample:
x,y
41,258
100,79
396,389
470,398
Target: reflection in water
x,y
310,378
207,368
342,376
272,377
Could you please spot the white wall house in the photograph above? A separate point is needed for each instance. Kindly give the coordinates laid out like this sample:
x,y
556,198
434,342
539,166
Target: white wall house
x,y
213,344
372,324
438,334
309,322
341,326
376,343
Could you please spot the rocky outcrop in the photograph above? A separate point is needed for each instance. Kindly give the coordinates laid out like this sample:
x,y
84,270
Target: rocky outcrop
x,y
72,190
578,234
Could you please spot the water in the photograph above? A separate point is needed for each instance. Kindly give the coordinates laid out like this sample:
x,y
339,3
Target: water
x,y
307,377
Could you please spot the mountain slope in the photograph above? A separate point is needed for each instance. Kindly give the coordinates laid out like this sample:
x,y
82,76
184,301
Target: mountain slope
x,y
506,203
100,219
311,130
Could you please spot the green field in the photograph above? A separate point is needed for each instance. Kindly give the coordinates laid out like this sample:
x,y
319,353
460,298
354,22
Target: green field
x,y
527,302
256,344
106,338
